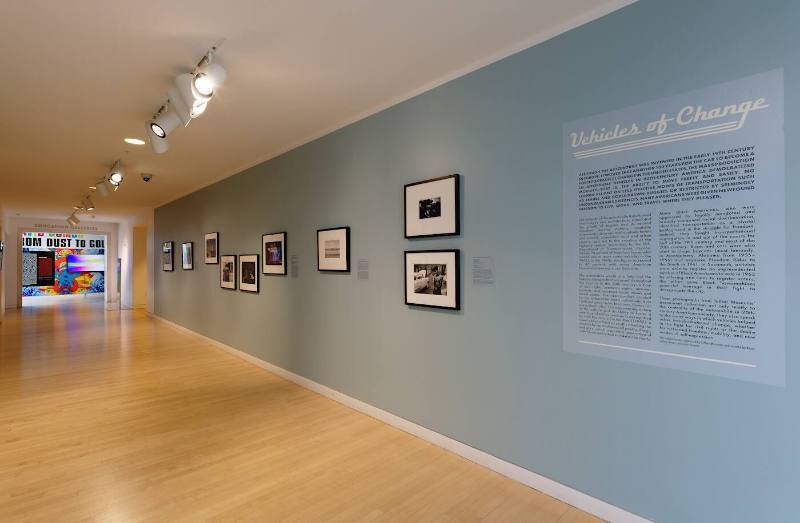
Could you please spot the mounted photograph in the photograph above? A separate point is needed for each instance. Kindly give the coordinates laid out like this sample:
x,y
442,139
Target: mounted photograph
x,y
212,248
432,207
187,256
433,279
333,249
273,253
248,272
227,272
167,262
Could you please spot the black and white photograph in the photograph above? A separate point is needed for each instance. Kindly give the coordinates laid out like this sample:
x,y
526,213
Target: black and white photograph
x,y
333,249
167,262
430,278
432,207
227,271
273,253
187,256
248,272
433,279
212,248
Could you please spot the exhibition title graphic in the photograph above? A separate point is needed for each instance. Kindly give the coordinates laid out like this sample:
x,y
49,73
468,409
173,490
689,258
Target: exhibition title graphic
x,y
62,241
692,121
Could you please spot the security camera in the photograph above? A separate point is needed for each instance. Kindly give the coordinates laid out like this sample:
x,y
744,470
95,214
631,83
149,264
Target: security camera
x,y
147,177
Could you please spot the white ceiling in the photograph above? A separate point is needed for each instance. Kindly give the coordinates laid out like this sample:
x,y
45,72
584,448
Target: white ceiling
x,y
78,77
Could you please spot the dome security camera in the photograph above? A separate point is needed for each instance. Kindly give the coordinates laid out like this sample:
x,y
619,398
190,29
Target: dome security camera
x,y
147,177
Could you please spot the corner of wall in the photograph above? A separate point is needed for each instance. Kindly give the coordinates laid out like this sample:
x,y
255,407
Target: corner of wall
x,y
151,273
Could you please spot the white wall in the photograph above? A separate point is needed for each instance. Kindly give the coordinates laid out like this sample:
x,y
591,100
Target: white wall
x,y
12,270
126,257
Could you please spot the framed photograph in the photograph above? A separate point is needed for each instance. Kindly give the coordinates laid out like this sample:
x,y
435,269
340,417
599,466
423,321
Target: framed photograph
x,y
333,249
227,272
187,256
433,279
248,272
273,253
212,248
432,208
167,261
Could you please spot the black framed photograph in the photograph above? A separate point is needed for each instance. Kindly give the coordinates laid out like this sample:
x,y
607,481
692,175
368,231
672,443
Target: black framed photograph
x,y
187,256
333,249
432,207
273,253
167,261
212,248
248,272
433,279
227,272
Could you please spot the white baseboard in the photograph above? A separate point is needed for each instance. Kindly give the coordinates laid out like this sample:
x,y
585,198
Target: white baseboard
x,y
552,488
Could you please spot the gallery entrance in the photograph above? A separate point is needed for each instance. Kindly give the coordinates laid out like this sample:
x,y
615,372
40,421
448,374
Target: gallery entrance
x,y
61,265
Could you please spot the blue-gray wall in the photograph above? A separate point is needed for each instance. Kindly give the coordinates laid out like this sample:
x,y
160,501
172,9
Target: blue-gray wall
x,y
665,444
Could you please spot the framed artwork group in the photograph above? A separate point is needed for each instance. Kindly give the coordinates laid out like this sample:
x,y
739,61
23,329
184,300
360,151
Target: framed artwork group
x,y
431,208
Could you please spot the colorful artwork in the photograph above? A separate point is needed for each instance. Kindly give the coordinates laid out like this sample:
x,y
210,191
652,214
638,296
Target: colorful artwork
x,y
64,281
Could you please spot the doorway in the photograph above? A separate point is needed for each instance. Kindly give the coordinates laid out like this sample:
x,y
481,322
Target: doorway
x,y
60,265
140,272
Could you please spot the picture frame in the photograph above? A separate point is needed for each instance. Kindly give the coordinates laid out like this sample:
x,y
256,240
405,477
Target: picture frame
x,y
248,273
433,279
333,249
167,257
273,253
211,246
227,272
187,256
432,207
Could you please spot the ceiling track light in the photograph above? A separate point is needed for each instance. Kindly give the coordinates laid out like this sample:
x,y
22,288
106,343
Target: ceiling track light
x,y
207,76
116,175
88,204
73,220
187,100
164,121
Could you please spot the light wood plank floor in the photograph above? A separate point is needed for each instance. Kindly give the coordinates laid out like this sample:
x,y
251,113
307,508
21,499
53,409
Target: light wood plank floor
x,y
114,416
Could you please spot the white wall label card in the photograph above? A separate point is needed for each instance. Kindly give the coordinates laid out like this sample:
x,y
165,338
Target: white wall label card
x,y
482,270
363,269
294,263
674,232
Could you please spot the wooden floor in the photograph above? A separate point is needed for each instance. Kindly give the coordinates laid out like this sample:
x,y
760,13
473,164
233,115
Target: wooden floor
x,y
114,416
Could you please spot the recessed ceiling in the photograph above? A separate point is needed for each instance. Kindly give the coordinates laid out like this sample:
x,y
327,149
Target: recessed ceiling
x,y
80,77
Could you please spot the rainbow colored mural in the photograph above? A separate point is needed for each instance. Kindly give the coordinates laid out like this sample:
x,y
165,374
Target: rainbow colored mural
x,y
65,282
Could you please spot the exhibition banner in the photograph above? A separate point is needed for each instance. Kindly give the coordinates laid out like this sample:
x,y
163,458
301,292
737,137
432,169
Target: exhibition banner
x,y
62,240
674,232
